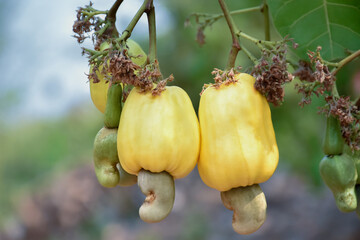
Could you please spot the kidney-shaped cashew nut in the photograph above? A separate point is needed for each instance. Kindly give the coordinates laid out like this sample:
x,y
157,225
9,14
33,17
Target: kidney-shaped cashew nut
x,y
249,206
159,190
107,167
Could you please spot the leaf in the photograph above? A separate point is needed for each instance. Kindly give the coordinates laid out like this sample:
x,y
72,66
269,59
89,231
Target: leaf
x,y
332,24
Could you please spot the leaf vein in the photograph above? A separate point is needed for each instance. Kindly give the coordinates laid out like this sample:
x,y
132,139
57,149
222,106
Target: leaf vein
x,y
345,27
328,27
314,39
277,12
303,16
340,45
343,5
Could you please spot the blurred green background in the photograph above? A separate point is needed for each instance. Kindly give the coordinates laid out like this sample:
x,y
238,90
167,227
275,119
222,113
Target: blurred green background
x,y
48,189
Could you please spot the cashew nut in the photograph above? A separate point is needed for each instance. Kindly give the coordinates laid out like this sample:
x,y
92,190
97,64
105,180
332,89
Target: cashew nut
x,y
159,190
106,160
249,206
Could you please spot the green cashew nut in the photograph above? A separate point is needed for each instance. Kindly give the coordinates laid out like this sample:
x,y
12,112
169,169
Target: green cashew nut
x,y
333,142
159,190
107,166
113,106
249,206
105,157
355,155
106,160
340,175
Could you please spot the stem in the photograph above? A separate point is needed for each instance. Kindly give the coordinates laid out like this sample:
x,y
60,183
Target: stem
x,y
245,10
332,64
92,52
250,56
111,17
257,41
113,10
102,30
150,12
216,17
235,48
345,61
91,14
334,90
211,18
127,32
265,11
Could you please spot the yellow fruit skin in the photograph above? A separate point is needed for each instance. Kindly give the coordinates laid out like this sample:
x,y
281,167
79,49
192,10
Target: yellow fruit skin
x,y
238,145
159,133
98,91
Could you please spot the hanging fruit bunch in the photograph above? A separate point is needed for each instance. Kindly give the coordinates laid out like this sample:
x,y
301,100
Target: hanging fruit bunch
x,y
246,133
340,168
151,134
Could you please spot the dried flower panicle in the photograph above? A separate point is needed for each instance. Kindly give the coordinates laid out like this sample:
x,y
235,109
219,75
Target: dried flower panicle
x,y
222,77
121,68
92,76
147,77
271,73
305,71
313,82
349,117
86,23
202,21
200,36
160,87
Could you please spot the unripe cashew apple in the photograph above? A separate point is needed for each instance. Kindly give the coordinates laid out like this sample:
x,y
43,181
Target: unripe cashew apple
x,y
98,91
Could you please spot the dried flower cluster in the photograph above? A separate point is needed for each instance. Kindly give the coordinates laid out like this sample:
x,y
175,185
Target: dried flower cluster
x,y
271,73
222,77
93,76
116,66
203,21
313,82
86,23
122,68
349,117
147,77
160,87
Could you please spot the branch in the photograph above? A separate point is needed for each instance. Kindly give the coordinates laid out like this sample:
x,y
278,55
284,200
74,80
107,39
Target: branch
x,y
111,17
113,10
345,61
209,19
250,56
258,42
265,11
127,32
233,29
150,12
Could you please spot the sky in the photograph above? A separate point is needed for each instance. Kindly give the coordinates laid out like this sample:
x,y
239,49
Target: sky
x,y
43,72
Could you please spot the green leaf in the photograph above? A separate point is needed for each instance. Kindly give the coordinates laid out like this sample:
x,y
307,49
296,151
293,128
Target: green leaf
x,y
332,24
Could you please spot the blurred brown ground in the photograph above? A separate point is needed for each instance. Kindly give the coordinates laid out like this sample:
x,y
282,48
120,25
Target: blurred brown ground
x,y
74,202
